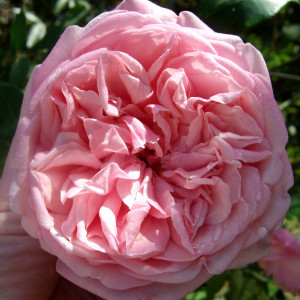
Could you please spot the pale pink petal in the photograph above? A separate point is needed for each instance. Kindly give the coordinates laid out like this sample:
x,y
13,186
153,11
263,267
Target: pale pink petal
x,y
168,292
283,261
147,7
220,208
105,139
187,19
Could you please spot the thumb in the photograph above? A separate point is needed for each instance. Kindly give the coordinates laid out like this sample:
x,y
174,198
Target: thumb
x,y
26,271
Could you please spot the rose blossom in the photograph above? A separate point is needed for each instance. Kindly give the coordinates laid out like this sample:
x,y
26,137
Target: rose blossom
x,y
283,262
149,155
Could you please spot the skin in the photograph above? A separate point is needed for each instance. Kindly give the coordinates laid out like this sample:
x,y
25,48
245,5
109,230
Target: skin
x,y
26,270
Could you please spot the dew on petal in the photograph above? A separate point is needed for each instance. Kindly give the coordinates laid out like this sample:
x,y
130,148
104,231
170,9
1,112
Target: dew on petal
x,y
262,232
258,196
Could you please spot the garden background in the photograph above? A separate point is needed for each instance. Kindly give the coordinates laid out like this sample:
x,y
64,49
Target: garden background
x,y
29,29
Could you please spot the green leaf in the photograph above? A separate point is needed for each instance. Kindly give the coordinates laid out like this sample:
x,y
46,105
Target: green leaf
x,y
245,287
196,295
272,288
292,31
31,17
18,32
215,284
259,10
167,3
36,33
294,210
59,6
76,14
10,103
237,283
229,14
19,71
4,148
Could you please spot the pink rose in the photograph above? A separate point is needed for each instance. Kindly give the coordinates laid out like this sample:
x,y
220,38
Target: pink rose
x,y
149,155
283,262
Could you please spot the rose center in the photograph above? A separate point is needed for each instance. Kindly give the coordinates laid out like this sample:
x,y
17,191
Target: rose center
x,y
148,156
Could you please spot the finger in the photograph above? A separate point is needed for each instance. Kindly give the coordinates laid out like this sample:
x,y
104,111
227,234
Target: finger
x,y
26,271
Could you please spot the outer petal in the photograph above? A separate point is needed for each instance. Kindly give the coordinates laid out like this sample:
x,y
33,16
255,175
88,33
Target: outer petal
x,y
283,261
63,49
147,7
154,291
188,19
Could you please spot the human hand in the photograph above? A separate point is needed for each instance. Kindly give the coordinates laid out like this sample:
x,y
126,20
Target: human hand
x,y
26,270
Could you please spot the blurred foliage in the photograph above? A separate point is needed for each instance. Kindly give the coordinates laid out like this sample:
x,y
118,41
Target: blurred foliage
x,y
29,29
247,283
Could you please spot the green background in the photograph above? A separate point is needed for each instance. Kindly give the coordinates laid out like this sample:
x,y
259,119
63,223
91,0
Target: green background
x,y
29,29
